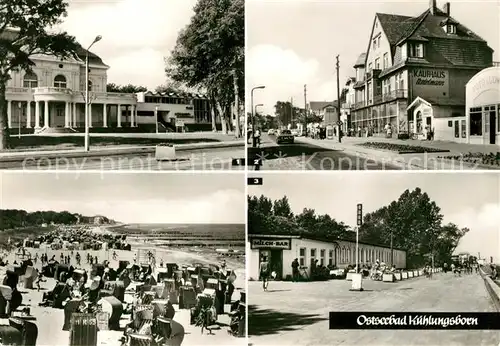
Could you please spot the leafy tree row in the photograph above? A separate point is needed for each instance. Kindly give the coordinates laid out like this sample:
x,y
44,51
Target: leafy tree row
x,y
276,217
128,89
286,114
209,56
13,218
414,222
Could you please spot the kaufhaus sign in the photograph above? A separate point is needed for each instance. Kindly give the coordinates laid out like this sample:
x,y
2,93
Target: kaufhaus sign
x,y
427,77
268,243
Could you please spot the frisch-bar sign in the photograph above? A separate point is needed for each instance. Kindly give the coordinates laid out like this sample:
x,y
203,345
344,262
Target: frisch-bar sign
x,y
430,77
268,243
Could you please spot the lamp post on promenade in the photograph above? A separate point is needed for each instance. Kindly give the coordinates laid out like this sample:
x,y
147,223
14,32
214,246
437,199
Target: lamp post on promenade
x,y
87,135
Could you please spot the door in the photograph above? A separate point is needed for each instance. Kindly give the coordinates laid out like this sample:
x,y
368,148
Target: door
x,y
276,263
493,130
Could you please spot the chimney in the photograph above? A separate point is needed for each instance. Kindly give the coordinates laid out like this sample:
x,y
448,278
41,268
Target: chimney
x,y
446,9
432,6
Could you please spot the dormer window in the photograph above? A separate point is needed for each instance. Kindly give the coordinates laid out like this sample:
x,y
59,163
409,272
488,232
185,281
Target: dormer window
x,y
451,29
416,50
449,25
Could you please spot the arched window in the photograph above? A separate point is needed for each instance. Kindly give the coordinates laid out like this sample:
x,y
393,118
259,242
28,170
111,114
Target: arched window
x,y
30,80
60,81
90,85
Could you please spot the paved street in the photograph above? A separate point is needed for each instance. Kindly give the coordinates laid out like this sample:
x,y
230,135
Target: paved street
x,y
306,156
297,313
205,159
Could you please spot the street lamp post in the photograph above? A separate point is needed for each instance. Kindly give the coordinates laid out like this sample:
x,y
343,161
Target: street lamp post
x,y
87,135
252,110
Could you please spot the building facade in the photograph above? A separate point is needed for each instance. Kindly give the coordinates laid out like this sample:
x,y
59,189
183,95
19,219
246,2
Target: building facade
x,y
282,250
52,95
172,109
482,122
414,74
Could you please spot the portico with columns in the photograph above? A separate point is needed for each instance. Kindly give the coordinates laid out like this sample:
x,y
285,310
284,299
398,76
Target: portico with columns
x,y
39,109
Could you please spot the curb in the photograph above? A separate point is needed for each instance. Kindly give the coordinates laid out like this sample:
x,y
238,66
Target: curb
x,y
492,288
115,151
472,165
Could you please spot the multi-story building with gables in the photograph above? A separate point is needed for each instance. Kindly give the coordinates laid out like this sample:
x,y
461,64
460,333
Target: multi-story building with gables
x,y
414,72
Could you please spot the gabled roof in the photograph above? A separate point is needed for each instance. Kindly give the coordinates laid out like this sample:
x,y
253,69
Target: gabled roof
x,y
465,48
431,26
360,62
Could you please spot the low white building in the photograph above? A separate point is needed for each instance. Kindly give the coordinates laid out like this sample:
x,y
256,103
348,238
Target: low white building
x,y
281,250
482,98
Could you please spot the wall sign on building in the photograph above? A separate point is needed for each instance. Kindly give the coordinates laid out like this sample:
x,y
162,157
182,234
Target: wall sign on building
x,y
269,243
430,77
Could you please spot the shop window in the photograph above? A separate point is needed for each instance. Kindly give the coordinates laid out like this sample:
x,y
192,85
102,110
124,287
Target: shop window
x,y
498,119
330,257
464,130
476,120
322,257
302,256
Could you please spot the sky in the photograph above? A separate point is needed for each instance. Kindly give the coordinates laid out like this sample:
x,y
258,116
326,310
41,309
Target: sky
x,y
294,42
466,199
130,198
136,35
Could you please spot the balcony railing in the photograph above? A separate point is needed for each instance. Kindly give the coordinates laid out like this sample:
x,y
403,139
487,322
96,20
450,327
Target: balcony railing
x,y
50,90
18,90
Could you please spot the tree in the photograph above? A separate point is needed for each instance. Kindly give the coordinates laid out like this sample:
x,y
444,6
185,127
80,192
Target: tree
x,y
209,55
24,31
281,207
126,89
414,223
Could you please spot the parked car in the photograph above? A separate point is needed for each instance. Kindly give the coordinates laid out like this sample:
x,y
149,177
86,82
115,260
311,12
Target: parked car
x,y
270,132
285,136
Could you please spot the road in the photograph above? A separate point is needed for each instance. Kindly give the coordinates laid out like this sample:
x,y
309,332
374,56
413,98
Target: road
x,y
203,159
297,313
302,156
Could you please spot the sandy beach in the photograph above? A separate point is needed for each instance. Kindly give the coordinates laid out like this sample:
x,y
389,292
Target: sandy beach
x,y
50,320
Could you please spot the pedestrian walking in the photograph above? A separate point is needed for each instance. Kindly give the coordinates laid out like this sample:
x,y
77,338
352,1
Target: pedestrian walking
x,y
264,273
295,270
257,138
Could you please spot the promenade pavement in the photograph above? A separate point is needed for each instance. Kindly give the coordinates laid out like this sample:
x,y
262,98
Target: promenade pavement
x,y
297,313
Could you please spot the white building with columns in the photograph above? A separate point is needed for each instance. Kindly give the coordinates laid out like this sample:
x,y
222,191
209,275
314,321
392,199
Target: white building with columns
x,y
53,96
